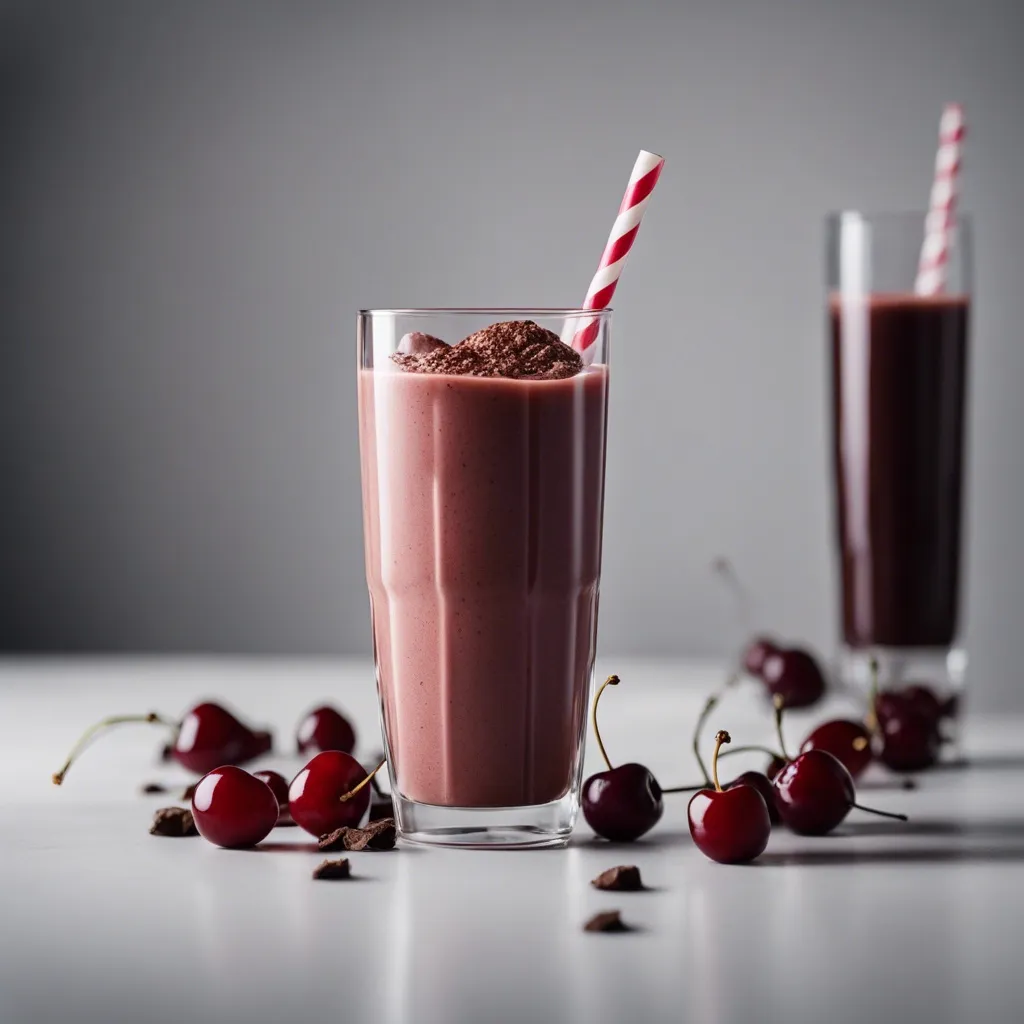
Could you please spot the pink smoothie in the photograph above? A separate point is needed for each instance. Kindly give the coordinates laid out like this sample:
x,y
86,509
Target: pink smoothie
x,y
482,501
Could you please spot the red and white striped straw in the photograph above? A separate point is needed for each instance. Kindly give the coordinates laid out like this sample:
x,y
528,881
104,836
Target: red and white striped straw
x,y
645,176
941,220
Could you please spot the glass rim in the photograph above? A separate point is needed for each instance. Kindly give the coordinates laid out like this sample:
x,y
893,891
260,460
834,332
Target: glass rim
x,y
542,311
835,216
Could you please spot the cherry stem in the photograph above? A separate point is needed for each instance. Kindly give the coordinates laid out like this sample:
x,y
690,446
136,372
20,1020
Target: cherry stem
x,y
720,737
881,814
778,704
752,748
726,572
369,778
688,789
709,706
610,681
90,734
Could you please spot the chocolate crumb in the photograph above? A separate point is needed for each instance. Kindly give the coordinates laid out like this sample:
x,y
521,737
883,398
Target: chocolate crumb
x,y
518,349
607,921
166,752
331,842
173,821
333,869
189,791
909,784
378,835
154,787
624,878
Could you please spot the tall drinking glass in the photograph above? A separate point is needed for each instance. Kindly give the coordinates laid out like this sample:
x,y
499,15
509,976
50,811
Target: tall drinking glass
x,y
899,381
482,504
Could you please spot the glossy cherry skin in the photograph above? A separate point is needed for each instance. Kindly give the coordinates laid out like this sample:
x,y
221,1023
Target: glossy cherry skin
x,y
814,793
623,803
210,736
760,782
915,698
909,742
795,676
279,787
233,808
845,739
731,826
325,728
314,797
755,654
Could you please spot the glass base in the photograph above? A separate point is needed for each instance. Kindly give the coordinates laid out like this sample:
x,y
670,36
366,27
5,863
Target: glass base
x,y
487,828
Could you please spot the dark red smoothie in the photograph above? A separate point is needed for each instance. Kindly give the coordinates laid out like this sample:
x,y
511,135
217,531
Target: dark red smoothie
x,y
899,367
483,485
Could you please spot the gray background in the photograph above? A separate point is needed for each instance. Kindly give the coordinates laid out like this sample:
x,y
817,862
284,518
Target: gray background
x,y
195,199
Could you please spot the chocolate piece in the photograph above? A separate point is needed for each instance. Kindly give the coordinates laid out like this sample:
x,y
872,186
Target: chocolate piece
x,y
167,752
153,787
624,878
189,791
173,821
519,349
333,869
416,343
606,921
378,835
331,842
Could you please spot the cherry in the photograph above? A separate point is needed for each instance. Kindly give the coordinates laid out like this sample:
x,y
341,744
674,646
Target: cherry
x,y
279,787
760,782
815,792
794,675
332,791
844,739
233,808
623,803
756,653
731,825
922,700
775,765
325,728
207,737
909,742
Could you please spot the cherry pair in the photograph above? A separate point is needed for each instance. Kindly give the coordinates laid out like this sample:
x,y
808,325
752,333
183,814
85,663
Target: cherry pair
x,y
234,809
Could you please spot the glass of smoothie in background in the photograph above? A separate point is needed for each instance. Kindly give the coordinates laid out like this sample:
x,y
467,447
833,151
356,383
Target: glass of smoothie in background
x,y
899,355
482,440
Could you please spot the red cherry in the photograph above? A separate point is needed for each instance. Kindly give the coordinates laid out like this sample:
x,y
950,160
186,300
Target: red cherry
x,y
844,739
207,737
760,782
325,728
622,803
732,825
814,793
321,797
233,808
279,787
756,654
775,765
794,675
909,742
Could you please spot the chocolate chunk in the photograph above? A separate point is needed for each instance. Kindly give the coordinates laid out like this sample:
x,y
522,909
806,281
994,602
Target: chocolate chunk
x,y
378,835
154,787
189,791
908,784
519,349
167,752
173,821
416,343
606,921
333,869
331,842
624,878
382,806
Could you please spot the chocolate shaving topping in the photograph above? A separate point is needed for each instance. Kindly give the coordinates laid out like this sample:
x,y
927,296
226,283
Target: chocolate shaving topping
x,y
173,821
624,878
519,349
189,791
331,842
153,787
416,343
333,869
378,835
606,921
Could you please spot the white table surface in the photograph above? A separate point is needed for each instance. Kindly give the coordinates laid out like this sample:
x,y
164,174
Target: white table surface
x,y
100,921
